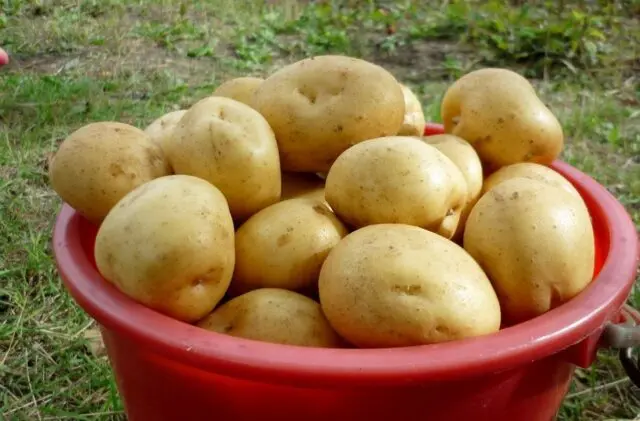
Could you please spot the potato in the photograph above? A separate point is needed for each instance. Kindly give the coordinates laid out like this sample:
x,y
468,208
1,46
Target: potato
x,y
301,185
320,106
241,89
284,245
397,179
161,129
276,316
529,170
232,146
169,244
101,162
391,285
535,242
461,153
413,124
499,113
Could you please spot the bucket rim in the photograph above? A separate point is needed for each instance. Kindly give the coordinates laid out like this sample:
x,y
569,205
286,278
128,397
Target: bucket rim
x,y
513,346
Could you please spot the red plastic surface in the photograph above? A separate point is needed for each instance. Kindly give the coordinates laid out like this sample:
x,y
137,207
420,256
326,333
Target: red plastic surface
x,y
4,57
167,370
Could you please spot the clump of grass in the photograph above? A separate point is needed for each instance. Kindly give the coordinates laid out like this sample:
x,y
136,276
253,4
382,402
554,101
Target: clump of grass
x,y
567,36
545,36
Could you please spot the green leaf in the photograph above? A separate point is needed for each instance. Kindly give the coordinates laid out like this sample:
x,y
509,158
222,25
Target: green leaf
x,y
595,33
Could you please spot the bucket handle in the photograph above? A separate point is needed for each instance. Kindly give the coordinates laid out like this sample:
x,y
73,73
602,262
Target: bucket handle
x,y
625,337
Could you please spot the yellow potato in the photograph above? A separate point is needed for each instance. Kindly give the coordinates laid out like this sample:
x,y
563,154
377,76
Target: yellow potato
x,y
320,106
161,129
461,153
413,124
392,285
397,180
499,113
99,163
169,244
529,170
535,242
232,146
301,185
284,245
276,316
241,89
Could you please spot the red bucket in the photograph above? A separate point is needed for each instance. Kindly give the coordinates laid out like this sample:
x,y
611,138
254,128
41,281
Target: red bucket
x,y
167,370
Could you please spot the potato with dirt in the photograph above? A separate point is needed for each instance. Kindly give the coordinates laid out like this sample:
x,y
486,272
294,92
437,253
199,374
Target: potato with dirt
x,y
392,285
301,185
231,145
161,129
241,88
500,114
532,171
320,106
461,153
169,244
535,241
284,245
397,179
99,163
414,122
276,316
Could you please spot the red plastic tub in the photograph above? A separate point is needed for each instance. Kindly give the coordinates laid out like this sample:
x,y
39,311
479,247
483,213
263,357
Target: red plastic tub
x,y
170,371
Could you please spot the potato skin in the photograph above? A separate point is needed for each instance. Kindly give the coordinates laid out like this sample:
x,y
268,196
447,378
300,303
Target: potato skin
x,y
232,146
397,179
301,185
241,89
413,124
391,285
535,241
276,316
284,245
169,244
161,129
320,106
99,163
500,114
461,153
529,170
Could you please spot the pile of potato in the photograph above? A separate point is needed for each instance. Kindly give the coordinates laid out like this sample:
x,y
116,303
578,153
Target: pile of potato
x,y
308,208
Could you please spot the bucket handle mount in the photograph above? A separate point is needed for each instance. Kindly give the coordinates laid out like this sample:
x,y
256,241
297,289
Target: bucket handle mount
x,y
625,337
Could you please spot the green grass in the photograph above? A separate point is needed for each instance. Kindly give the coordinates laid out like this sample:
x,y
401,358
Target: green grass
x,y
77,61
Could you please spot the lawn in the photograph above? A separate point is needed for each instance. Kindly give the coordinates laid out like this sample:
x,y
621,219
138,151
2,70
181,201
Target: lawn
x,y
87,60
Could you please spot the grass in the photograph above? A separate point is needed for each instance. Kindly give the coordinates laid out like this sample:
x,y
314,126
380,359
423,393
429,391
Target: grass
x,y
86,60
